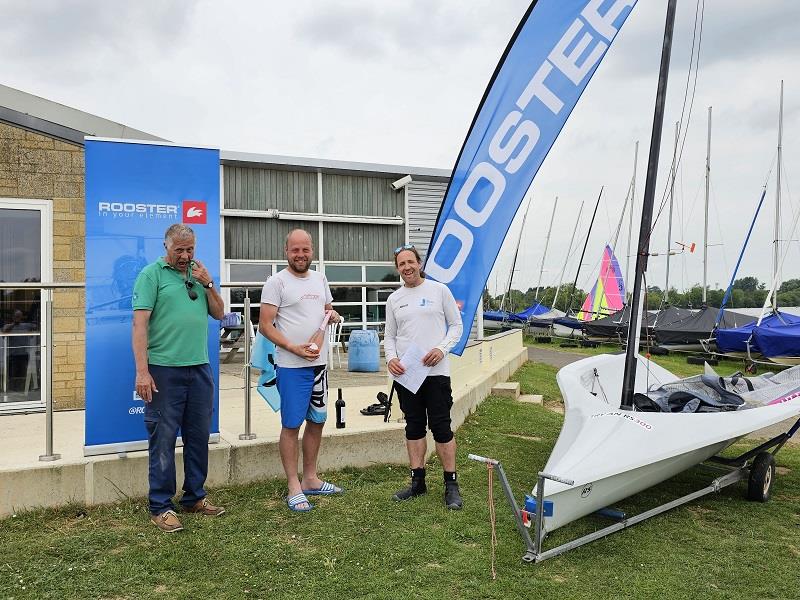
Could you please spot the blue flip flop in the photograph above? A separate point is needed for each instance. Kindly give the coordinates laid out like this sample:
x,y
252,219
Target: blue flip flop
x,y
326,489
296,501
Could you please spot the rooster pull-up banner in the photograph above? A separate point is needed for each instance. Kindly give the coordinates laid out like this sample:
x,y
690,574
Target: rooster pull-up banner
x,y
134,192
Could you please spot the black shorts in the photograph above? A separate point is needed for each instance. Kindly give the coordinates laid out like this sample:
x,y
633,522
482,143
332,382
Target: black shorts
x,y
428,408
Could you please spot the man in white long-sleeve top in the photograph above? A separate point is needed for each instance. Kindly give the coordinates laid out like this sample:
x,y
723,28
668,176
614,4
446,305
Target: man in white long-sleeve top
x,y
424,313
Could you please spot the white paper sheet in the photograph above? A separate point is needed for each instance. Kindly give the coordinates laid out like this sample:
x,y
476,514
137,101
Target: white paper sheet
x,y
416,371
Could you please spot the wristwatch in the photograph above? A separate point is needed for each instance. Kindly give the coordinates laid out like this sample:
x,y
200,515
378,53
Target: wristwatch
x,y
210,284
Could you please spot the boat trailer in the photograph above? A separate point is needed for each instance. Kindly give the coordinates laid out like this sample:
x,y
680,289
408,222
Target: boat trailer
x,y
756,465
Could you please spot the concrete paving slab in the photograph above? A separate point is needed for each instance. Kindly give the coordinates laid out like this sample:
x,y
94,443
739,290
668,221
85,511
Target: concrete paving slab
x,y
531,398
508,389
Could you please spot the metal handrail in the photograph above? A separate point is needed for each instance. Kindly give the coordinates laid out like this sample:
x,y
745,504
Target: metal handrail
x,y
48,345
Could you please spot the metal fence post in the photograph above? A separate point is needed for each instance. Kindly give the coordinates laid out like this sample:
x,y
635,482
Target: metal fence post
x,y
48,312
247,435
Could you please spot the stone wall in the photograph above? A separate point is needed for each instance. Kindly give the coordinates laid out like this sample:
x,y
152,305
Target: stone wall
x,y
40,167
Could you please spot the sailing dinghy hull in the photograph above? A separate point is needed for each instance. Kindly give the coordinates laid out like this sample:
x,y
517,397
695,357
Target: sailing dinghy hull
x,y
611,454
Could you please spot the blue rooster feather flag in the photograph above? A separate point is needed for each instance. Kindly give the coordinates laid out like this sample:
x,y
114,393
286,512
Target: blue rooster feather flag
x,y
541,75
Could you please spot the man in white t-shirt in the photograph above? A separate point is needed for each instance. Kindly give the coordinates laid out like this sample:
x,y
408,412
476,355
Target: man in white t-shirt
x,y
293,306
424,313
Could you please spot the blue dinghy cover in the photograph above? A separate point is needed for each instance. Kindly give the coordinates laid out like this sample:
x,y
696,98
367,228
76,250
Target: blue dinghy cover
x,y
780,340
735,339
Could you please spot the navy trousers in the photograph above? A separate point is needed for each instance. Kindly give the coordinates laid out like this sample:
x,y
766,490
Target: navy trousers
x,y
184,401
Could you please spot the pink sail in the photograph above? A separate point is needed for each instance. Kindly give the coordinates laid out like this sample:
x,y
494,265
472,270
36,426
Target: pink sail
x,y
608,294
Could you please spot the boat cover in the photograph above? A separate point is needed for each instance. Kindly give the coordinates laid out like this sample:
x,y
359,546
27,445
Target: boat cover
x,y
616,326
499,315
545,320
570,322
735,339
518,317
779,340
697,326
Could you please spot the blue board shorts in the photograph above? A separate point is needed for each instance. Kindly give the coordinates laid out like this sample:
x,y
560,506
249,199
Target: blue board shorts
x,y
304,395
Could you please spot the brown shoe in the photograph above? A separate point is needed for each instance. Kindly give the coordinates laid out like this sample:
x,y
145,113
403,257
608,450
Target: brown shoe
x,y
167,521
205,508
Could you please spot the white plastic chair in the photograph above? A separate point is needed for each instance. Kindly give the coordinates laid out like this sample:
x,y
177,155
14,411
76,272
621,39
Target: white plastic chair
x,y
334,342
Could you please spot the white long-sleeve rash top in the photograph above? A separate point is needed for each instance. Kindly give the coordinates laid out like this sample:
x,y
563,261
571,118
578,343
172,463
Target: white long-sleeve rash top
x,y
426,315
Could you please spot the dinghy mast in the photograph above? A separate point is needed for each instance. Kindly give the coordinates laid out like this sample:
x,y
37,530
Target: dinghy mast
x,y
544,254
630,222
583,252
705,220
673,173
777,251
629,378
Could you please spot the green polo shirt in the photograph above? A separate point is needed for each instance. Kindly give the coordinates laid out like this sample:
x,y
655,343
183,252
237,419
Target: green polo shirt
x,y
177,335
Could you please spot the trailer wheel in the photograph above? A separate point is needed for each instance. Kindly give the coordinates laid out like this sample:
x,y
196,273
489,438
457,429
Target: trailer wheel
x,y
762,474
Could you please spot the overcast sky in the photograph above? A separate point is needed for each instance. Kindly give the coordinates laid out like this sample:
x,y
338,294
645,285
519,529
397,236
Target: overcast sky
x,y
399,82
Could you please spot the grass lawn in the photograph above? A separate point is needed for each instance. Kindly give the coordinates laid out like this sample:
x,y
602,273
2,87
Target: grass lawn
x,y
674,362
362,545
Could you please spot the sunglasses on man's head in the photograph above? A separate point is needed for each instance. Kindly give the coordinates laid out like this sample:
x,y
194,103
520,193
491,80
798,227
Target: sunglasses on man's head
x,y
399,249
189,290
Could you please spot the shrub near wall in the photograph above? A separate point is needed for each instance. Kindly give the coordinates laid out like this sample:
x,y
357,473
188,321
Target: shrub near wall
x,y
40,167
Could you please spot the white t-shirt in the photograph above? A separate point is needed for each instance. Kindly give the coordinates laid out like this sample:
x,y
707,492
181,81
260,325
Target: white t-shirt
x,y
301,308
426,315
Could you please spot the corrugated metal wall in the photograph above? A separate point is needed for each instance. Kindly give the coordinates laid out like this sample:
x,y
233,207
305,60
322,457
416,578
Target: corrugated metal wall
x,y
247,188
262,189
368,196
424,200
260,239
361,242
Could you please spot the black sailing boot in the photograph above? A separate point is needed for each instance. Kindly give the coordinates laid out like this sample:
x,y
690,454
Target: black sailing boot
x,y
452,495
417,487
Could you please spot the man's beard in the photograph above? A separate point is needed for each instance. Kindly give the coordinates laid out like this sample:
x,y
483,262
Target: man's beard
x,y
302,267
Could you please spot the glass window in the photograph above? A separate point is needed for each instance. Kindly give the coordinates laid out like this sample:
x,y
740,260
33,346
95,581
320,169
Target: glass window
x,y
379,294
346,294
20,251
20,310
376,312
382,273
237,296
343,273
349,313
250,272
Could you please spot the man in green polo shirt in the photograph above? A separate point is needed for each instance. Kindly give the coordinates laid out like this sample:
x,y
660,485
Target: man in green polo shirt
x,y
172,299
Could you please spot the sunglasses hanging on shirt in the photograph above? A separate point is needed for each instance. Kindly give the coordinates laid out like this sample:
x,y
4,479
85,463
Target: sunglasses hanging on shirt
x,y
189,290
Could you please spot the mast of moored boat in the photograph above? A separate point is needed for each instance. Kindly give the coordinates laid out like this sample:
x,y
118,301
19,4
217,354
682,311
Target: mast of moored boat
x,y
705,222
583,252
544,254
673,173
776,249
569,253
630,221
514,263
629,377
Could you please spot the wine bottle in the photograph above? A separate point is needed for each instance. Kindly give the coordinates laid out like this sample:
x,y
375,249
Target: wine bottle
x,y
340,421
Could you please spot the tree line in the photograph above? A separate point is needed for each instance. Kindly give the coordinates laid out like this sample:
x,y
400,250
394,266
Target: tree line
x,y
747,292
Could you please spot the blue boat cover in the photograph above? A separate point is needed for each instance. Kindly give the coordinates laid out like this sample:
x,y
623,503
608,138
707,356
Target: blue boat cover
x,y
519,317
778,340
735,339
